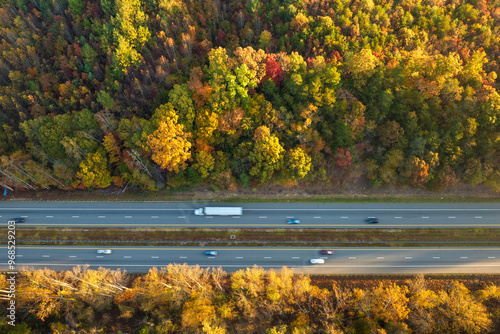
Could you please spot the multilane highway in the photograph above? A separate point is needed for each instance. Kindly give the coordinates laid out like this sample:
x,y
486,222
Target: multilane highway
x,y
343,261
149,214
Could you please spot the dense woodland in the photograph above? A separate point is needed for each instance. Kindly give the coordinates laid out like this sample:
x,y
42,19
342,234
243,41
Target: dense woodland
x,y
157,94
182,299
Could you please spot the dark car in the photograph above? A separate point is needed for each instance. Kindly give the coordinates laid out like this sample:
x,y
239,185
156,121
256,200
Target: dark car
x,y
293,221
212,252
18,220
327,252
372,221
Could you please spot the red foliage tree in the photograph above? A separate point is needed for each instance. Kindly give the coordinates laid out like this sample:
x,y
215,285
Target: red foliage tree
x,y
273,70
343,158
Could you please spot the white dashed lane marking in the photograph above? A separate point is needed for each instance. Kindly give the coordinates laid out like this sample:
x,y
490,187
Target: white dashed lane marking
x,y
181,217
408,257
344,217
436,257
127,257
425,217
380,257
128,216
155,217
49,216
295,257
317,217
352,257
155,257
491,257
262,217
72,256
45,255
238,257
398,217
464,257
182,257
267,257
101,216
452,217
75,216
478,217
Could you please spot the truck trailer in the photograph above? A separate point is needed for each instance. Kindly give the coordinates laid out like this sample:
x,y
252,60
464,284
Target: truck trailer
x,y
219,211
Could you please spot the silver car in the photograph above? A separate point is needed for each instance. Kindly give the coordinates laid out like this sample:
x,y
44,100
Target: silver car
x,y
104,251
317,261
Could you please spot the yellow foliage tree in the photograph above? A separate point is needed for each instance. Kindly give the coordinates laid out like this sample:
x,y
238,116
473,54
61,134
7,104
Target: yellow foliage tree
x,y
299,163
169,143
94,171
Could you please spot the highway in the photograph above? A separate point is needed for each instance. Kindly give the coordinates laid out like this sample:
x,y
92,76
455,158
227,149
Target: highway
x,y
311,215
343,261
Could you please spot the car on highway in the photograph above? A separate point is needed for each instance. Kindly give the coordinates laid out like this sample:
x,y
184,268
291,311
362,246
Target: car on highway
x,y
371,221
293,221
18,220
211,252
104,251
317,261
327,252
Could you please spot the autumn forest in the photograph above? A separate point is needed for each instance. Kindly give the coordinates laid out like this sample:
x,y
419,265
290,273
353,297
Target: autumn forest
x,y
161,94
182,299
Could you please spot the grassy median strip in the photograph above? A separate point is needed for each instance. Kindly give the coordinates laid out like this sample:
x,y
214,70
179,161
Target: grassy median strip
x,y
377,237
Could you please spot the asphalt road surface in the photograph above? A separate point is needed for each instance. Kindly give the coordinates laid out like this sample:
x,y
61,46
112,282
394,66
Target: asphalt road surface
x,y
343,261
133,214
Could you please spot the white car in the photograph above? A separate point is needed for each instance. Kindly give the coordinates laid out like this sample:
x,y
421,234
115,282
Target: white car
x,y
317,261
104,251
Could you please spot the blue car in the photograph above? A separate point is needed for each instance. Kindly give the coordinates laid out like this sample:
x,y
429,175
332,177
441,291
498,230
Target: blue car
x,y
213,253
372,221
293,221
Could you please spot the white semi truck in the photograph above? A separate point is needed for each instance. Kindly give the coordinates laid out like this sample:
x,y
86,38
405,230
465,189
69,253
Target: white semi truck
x,y
219,211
